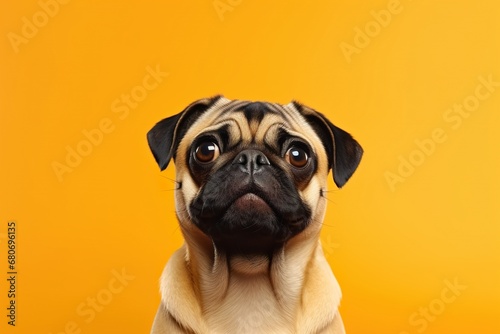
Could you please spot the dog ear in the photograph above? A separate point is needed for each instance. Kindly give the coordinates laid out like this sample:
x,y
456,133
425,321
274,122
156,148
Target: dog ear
x,y
344,152
165,136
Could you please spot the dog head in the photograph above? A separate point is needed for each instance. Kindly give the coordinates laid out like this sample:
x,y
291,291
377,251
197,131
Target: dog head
x,y
251,175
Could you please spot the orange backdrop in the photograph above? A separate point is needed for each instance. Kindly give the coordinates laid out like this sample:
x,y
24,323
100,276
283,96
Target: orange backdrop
x,y
413,238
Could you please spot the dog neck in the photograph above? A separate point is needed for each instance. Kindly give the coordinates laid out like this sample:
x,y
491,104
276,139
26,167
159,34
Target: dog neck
x,y
201,286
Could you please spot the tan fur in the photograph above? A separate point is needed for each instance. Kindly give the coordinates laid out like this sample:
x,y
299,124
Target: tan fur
x,y
204,292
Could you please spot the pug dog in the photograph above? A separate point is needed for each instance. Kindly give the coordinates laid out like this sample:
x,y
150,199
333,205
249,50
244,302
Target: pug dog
x,y
250,200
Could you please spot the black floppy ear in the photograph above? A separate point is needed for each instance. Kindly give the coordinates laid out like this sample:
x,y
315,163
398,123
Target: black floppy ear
x,y
344,152
165,136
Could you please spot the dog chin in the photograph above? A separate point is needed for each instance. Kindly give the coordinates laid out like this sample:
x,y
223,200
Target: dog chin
x,y
249,264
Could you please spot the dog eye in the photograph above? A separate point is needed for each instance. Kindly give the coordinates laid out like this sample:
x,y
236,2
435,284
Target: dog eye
x,y
207,152
297,157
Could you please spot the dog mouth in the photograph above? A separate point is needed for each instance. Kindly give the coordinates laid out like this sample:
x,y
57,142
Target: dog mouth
x,y
247,217
248,224
252,201
249,198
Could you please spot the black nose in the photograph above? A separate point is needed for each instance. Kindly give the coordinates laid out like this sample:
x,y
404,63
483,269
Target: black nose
x,y
251,161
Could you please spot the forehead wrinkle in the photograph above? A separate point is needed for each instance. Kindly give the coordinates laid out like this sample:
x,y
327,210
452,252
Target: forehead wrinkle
x,y
295,117
231,107
233,128
269,122
239,122
230,112
269,135
214,127
277,108
253,127
281,112
246,131
209,118
217,112
295,123
256,131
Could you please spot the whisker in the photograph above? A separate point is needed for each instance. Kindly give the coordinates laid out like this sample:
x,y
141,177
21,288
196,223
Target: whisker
x,y
168,178
322,194
325,224
251,225
329,191
172,180
176,229
177,226
329,200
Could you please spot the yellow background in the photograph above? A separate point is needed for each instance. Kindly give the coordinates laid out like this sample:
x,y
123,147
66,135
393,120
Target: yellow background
x,y
392,250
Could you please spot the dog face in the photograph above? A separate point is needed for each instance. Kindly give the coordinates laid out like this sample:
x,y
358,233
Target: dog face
x,y
251,175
